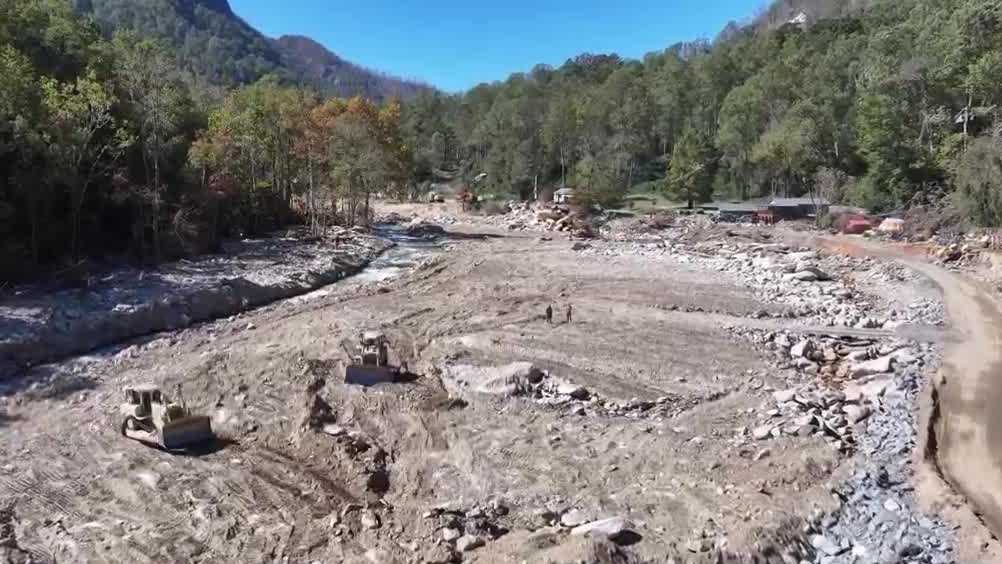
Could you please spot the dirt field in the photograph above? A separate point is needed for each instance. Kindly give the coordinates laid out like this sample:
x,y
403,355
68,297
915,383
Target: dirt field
x,y
313,470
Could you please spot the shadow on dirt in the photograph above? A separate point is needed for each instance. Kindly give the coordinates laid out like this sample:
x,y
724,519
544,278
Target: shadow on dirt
x,y
6,419
217,444
406,377
48,383
471,236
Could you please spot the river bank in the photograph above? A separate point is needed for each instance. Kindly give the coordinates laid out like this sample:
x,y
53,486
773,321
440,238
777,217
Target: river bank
x,y
38,326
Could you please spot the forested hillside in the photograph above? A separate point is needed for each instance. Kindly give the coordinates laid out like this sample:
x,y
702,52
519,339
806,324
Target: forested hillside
x,y
885,101
218,47
105,151
109,143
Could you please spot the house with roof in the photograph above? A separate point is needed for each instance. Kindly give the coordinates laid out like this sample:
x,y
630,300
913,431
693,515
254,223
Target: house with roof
x,y
798,208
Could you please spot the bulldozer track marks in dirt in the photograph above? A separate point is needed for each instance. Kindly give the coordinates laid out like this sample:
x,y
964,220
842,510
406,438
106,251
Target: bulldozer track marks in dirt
x,y
400,449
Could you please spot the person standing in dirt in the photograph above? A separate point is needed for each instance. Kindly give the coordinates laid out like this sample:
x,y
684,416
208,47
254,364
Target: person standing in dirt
x,y
570,311
549,314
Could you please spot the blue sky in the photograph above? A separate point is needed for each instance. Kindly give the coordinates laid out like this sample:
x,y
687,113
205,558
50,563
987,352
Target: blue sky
x,y
455,45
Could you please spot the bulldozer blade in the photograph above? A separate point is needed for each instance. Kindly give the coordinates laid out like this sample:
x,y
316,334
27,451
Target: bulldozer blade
x,y
143,436
187,432
369,375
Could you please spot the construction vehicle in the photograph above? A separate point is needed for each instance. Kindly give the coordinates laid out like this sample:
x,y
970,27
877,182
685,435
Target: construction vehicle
x,y
152,418
372,366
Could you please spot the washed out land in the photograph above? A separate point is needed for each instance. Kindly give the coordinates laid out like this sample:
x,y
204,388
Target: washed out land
x,y
718,391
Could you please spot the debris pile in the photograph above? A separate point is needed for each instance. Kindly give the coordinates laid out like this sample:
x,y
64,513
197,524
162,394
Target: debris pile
x,y
869,412
877,518
836,357
820,288
526,216
812,412
525,380
465,530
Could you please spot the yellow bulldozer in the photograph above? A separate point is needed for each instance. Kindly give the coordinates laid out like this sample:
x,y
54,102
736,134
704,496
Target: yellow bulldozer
x,y
372,365
152,418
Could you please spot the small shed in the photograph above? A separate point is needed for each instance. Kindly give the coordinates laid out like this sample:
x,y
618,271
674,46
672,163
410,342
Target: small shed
x,y
798,208
564,196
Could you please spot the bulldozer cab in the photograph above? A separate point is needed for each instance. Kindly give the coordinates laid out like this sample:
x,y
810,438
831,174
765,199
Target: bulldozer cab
x,y
373,338
144,397
371,365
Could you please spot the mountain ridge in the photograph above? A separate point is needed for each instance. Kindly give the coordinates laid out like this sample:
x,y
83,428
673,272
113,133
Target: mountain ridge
x,y
215,43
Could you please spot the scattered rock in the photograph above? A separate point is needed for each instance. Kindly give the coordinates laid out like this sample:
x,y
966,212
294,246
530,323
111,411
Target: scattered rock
x,y
803,349
784,396
466,543
438,554
370,520
880,365
825,545
856,413
616,529
573,518
572,390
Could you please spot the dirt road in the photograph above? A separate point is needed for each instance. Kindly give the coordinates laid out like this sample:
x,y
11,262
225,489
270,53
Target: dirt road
x,y
965,415
395,469
969,427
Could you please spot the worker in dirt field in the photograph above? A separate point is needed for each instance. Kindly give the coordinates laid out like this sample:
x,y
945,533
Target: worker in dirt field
x,y
549,314
570,312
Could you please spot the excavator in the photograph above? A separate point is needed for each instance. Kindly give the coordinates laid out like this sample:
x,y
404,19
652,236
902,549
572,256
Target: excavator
x,y
152,418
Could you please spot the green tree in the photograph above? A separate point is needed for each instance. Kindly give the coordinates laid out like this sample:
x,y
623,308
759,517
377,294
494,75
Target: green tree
x,y
690,174
742,118
84,139
147,77
979,182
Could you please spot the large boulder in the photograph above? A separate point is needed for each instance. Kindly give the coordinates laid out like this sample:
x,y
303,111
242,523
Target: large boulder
x,y
421,228
880,365
803,349
506,381
616,529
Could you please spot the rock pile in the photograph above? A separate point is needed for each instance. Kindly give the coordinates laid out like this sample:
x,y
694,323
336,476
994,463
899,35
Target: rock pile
x,y
465,530
524,216
871,413
525,380
877,519
809,411
838,357
820,288
418,227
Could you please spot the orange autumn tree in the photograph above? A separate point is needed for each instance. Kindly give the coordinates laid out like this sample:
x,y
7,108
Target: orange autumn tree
x,y
326,158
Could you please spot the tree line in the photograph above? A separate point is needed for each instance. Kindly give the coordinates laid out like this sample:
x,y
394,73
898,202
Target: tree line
x,y
107,147
886,103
